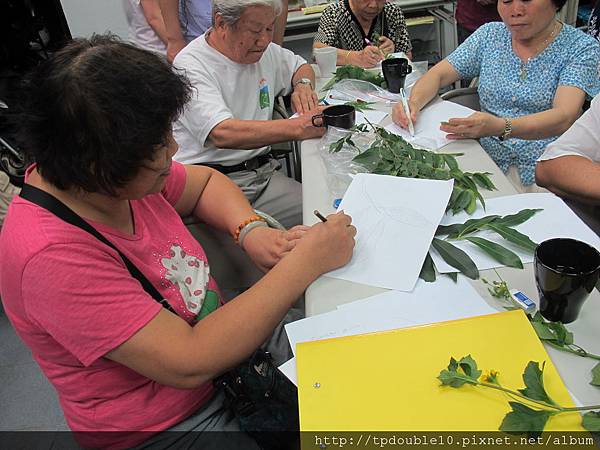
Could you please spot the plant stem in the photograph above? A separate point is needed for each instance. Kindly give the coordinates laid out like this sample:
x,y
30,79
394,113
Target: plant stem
x,y
517,394
539,402
581,353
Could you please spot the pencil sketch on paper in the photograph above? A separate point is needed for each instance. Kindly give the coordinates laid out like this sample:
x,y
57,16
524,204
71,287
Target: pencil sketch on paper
x,y
381,224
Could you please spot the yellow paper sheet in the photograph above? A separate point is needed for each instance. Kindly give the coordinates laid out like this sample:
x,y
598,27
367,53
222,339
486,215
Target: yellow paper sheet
x,y
388,381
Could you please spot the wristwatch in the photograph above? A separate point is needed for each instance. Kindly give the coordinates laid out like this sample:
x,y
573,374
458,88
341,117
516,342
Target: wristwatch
x,y
507,130
303,81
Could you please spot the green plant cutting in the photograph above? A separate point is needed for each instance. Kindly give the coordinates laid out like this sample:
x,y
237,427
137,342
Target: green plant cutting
x,y
361,105
556,335
457,258
354,73
390,154
531,406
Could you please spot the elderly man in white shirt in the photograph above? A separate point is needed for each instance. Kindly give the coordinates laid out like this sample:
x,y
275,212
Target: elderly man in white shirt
x,y
570,166
237,72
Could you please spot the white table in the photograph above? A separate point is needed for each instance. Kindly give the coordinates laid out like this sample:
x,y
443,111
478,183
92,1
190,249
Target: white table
x,y
326,293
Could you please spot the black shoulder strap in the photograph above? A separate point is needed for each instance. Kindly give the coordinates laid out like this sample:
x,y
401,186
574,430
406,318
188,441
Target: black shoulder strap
x,y
62,211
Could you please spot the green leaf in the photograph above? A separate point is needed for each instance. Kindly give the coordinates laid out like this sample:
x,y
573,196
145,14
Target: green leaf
x,y
462,201
482,179
472,225
453,378
453,276
427,271
450,161
523,419
596,375
472,206
543,332
496,251
513,236
533,377
518,218
562,336
456,258
369,157
449,229
591,421
469,367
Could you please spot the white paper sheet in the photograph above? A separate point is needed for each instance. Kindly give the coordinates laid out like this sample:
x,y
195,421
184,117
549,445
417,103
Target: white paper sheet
x,y
427,127
556,220
428,303
373,116
395,218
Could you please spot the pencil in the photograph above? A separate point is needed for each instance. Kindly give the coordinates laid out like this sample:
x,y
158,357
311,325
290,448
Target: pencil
x,y
320,216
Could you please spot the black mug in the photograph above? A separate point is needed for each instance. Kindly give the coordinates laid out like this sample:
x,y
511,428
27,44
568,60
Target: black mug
x,y
395,71
566,272
339,116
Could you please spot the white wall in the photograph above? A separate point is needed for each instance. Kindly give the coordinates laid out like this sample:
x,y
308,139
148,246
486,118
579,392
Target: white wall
x,y
95,16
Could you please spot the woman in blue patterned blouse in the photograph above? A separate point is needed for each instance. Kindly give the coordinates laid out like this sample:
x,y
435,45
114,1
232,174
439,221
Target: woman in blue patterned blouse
x,y
534,74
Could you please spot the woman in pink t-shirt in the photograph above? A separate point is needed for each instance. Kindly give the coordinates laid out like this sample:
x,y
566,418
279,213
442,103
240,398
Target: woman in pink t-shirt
x,y
97,128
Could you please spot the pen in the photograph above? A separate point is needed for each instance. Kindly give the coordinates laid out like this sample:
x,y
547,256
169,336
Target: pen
x,y
320,216
411,127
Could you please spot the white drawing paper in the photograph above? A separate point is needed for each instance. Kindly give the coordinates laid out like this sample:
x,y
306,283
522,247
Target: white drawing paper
x,y
427,126
429,303
556,220
395,219
372,116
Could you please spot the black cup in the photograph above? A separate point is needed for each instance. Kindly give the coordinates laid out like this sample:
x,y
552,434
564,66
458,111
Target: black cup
x,y
339,116
394,72
566,271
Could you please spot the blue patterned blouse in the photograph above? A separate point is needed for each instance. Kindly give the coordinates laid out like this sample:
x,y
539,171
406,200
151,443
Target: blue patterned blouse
x,y
572,59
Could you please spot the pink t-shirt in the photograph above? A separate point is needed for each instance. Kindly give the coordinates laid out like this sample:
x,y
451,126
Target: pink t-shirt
x,y
72,300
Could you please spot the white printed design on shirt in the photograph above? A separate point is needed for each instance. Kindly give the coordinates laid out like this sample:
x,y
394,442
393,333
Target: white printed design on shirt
x,y
189,274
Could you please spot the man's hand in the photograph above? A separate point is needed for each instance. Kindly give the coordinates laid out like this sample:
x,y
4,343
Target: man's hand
x,y
174,47
304,98
386,45
266,246
477,125
305,127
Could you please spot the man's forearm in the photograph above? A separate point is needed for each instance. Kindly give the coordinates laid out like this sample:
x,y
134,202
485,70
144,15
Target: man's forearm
x,y
571,176
250,134
304,71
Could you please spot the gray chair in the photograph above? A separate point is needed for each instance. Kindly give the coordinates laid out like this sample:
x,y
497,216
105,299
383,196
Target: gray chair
x,y
464,96
288,151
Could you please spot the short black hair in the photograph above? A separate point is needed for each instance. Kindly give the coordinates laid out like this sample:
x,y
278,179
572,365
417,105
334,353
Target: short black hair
x,y
97,110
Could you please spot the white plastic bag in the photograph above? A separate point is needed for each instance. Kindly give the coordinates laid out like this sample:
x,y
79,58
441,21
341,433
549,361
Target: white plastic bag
x,y
339,166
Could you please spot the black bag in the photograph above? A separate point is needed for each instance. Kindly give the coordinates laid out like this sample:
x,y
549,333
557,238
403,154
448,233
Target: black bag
x,y
264,401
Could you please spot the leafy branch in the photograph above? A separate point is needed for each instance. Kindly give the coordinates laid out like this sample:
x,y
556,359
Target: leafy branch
x,y
355,73
556,335
360,105
531,406
501,225
390,154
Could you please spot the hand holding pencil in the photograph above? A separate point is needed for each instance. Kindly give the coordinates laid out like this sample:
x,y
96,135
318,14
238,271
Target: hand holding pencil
x,y
403,119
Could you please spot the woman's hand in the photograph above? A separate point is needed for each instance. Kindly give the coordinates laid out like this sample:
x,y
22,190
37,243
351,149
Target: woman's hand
x,y
399,115
386,45
367,57
477,125
266,246
328,245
